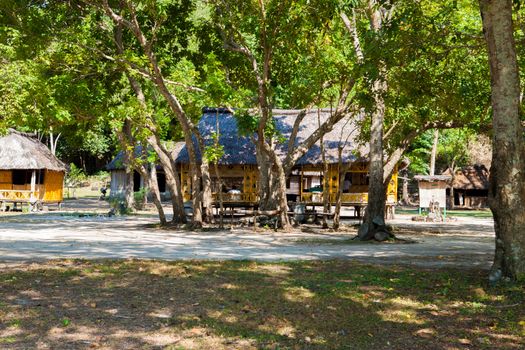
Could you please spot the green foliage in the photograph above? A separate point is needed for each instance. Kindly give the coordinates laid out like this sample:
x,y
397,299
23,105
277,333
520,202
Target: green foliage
x,y
75,176
247,123
139,198
213,153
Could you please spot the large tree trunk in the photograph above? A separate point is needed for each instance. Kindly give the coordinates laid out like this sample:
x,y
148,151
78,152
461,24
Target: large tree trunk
x,y
265,179
166,160
129,200
150,178
207,199
507,176
376,189
272,178
434,153
155,75
172,178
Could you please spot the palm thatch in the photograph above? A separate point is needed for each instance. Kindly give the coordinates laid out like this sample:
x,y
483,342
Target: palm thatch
x,y
118,162
433,178
474,177
240,149
24,151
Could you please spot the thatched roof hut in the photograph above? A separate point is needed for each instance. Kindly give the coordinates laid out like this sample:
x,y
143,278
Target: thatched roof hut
x,y
118,162
28,170
240,150
473,177
20,150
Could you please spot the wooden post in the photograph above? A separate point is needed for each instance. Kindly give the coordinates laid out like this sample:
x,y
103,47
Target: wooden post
x,y
301,187
32,196
33,181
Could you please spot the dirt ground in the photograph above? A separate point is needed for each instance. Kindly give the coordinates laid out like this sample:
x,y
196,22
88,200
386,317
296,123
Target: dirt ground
x,y
83,230
244,289
131,304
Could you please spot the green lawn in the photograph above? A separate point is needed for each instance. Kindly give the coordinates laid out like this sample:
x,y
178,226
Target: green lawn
x,y
247,305
481,213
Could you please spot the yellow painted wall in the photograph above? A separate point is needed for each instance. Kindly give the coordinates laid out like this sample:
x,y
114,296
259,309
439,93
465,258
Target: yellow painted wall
x,y
391,192
6,180
358,193
53,186
51,191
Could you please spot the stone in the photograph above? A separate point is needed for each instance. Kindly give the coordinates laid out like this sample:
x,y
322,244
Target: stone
x,y
381,236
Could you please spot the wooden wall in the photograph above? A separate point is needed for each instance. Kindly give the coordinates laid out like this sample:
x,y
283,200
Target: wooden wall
x,y
118,182
53,186
52,190
6,180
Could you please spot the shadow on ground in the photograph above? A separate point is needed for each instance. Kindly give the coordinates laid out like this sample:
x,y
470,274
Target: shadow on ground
x,y
248,305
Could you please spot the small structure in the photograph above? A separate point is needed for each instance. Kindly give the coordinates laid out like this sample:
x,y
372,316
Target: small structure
x,y
469,187
433,194
238,168
118,173
29,172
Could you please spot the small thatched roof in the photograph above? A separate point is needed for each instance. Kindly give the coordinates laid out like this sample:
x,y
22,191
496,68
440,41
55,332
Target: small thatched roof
x,y
432,178
118,162
474,177
24,151
241,149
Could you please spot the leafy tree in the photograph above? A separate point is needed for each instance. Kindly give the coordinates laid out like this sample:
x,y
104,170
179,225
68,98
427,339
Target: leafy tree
x,y
507,177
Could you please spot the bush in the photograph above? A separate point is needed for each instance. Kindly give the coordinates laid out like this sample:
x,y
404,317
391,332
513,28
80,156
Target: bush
x,y
75,176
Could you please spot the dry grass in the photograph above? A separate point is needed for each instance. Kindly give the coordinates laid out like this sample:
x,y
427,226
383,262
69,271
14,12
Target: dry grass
x,y
246,305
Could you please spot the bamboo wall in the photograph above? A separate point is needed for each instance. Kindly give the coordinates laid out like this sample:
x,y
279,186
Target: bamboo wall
x,y
52,190
358,192
6,180
53,186
248,173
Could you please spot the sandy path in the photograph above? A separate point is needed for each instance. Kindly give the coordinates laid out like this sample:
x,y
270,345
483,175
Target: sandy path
x,y
467,242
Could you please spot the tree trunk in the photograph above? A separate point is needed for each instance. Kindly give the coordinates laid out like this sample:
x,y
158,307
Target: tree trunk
x,y
221,199
376,188
326,179
207,200
265,175
338,199
155,192
172,178
434,153
129,200
150,178
406,198
507,176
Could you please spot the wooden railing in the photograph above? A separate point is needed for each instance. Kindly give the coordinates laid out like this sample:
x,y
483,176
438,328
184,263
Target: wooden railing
x,y
317,197
237,197
18,196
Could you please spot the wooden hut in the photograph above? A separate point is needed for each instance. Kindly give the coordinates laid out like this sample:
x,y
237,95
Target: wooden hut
x,y
118,173
238,166
469,187
29,172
